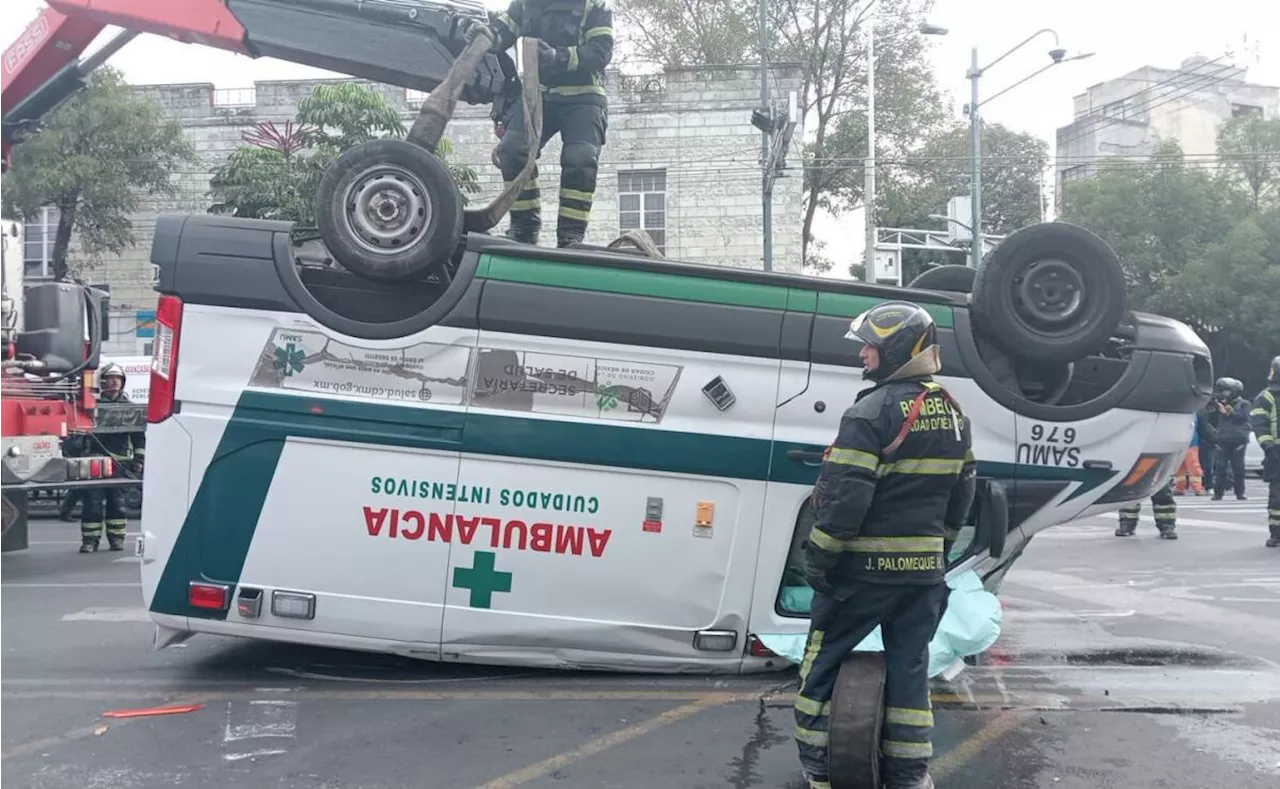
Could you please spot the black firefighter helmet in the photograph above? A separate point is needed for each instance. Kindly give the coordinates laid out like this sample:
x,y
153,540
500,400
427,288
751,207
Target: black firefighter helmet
x,y
900,330
1228,388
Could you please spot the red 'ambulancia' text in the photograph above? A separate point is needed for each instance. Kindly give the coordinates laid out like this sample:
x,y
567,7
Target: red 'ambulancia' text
x,y
434,527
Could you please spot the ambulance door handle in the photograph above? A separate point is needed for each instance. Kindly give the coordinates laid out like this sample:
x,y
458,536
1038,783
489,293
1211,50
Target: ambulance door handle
x,y
805,456
1103,465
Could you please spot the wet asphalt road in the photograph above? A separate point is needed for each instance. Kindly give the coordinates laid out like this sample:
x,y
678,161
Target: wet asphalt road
x,y
1124,663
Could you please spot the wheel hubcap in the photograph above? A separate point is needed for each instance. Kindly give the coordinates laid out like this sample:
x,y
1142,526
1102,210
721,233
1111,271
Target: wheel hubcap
x,y
1050,292
387,209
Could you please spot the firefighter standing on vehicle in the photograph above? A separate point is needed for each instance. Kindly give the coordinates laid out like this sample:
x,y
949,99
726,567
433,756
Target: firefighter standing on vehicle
x,y
105,505
1266,426
894,490
1233,435
575,45
1163,506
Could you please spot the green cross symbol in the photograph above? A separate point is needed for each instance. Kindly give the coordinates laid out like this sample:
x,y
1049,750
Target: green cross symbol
x,y
607,397
289,359
482,580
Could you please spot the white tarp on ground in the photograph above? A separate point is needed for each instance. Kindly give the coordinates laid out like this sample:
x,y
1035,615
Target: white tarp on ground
x,y
970,625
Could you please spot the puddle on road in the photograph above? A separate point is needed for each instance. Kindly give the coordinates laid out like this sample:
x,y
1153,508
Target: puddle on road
x,y
1156,656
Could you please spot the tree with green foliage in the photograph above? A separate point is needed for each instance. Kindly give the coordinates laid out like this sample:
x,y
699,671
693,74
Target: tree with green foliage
x,y
828,39
92,158
1194,248
941,168
277,173
1249,146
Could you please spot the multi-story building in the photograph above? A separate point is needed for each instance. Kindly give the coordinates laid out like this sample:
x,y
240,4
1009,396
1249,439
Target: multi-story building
x,y
1131,115
681,161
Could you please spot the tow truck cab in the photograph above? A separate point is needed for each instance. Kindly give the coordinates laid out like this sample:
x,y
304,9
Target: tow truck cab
x,y
568,457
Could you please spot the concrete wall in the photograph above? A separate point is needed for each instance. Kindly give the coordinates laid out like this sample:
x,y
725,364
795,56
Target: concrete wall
x,y
694,122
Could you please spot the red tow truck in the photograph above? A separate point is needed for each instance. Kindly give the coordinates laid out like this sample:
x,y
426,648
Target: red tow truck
x,y
49,414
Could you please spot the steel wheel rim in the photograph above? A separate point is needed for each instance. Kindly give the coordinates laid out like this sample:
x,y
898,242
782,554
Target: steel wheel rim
x,y
387,209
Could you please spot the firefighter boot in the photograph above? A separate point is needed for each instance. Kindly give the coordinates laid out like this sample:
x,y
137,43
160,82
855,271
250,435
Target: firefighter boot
x,y
526,214
88,546
1274,542
115,543
1167,532
924,783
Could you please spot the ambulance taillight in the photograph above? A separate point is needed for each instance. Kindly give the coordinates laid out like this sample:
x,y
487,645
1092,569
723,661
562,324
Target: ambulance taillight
x,y
211,597
164,359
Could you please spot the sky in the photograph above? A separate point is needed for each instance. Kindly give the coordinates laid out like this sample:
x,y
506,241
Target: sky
x,y
1122,34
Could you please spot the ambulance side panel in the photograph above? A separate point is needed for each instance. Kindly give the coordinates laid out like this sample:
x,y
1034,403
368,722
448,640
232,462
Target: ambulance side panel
x,y
625,516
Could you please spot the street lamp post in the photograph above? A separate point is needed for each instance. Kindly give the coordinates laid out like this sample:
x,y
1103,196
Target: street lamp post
x,y
869,168
1057,56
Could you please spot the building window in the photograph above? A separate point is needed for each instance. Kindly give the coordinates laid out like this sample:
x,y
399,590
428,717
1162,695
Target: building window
x,y
642,203
1239,110
38,236
1115,109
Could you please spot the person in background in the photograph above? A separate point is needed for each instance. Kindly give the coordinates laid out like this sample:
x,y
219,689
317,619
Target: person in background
x,y
105,505
1190,476
1163,507
1207,420
1233,435
1266,426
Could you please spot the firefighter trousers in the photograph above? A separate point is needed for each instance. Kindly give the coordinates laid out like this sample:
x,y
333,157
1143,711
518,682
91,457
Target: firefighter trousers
x,y
1273,506
103,506
581,125
1163,506
908,617
1208,454
1230,457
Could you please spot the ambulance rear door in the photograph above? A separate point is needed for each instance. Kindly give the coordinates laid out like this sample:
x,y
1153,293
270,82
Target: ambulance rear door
x,y
622,441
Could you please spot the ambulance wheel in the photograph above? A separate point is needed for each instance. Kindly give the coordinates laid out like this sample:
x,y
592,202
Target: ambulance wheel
x,y
951,278
389,210
1052,291
857,716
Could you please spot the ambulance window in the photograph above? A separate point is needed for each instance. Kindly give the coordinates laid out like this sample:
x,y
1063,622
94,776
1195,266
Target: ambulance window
x,y
795,596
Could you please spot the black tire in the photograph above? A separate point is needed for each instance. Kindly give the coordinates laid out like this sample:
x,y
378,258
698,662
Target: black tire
x,y
424,221
857,716
951,278
1052,291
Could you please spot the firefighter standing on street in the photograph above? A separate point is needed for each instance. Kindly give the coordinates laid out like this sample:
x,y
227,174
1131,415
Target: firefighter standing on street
x,y
1233,435
1163,506
894,490
1266,426
575,45
105,505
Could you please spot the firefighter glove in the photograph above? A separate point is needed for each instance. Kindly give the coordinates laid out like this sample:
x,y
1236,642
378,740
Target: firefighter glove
x,y
548,55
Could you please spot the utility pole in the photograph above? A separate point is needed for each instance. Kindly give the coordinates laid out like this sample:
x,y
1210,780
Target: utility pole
x,y
975,179
869,174
1057,56
766,172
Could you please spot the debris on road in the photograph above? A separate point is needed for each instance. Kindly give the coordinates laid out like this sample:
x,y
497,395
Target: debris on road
x,y
142,713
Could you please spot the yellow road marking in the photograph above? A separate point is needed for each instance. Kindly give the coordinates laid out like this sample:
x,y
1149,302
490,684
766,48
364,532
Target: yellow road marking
x,y
963,753
599,744
945,700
